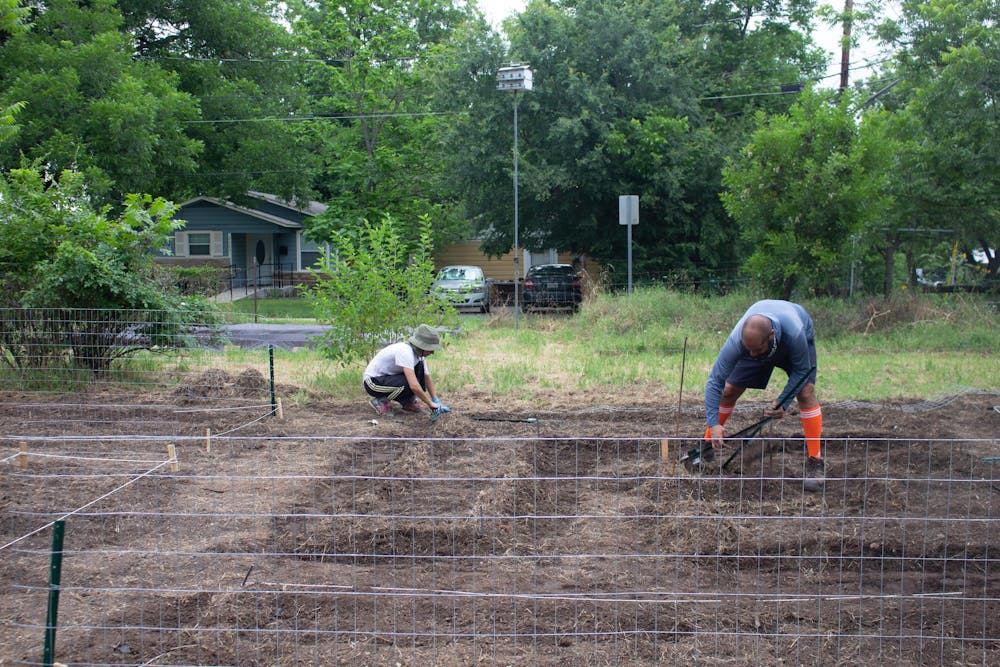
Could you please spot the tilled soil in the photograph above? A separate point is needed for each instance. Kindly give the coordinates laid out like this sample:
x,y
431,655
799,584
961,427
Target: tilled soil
x,y
558,533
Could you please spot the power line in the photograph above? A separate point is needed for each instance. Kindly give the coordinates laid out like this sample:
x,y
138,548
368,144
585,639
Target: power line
x,y
295,119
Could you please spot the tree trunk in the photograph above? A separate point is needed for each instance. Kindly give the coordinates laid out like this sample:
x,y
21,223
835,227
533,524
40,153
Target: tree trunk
x,y
890,266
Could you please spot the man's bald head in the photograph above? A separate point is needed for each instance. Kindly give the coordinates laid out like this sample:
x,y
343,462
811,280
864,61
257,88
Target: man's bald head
x,y
757,335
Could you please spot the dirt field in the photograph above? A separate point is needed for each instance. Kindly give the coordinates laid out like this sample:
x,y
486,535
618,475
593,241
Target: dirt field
x,y
326,538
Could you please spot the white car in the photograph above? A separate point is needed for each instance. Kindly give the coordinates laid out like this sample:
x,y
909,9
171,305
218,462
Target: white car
x,y
465,286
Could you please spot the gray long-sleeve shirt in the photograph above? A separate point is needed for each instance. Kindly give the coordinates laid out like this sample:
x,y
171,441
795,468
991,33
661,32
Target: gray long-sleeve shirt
x,y
793,329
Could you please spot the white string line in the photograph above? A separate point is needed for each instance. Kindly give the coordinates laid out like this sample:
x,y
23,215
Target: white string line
x,y
520,556
141,437
254,421
616,597
743,407
669,632
134,406
241,407
596,597
92,502
472,439
567,479
72,457
93,421
535,517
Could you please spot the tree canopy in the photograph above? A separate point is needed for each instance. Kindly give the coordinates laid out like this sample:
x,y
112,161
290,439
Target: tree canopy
x,y
370,76
945,122
90,106
806,183
656,115
392,110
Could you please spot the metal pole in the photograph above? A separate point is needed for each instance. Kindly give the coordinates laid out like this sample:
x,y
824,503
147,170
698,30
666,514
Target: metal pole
x,y
517,306
845,45
55,576
629,241
255,291
850,289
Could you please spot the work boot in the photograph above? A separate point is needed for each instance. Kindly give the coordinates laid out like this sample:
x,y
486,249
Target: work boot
x,y
815,473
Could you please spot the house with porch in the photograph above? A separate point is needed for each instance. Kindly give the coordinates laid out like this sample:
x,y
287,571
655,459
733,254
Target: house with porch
x,y
260,242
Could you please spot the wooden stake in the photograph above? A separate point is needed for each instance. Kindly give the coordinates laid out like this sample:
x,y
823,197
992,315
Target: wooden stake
x,y
279,411
24,455
208,441
664,450
172,453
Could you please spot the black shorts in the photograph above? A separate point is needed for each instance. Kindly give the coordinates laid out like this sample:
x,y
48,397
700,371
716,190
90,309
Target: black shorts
x,y
395,387
750,373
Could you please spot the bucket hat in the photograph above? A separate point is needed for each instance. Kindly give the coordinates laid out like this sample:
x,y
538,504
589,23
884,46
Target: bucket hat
x,y
426,338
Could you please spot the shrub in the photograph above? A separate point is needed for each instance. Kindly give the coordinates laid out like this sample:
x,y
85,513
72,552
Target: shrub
x,y
375,289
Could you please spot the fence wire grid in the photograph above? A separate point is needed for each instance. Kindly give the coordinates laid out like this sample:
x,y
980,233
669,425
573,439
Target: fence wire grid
x,y
273,550
259,542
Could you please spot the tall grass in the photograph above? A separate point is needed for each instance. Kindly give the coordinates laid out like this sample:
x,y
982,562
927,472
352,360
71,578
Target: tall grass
x,y
633,347
623,348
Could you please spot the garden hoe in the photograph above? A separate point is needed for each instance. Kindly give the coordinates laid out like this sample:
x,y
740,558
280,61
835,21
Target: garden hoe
x,y
695,459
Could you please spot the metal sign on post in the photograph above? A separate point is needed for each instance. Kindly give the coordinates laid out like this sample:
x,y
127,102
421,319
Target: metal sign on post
x,y
628,215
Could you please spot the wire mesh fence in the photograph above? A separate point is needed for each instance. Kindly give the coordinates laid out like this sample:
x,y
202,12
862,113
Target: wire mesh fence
x,y
289,550
202,527
77,352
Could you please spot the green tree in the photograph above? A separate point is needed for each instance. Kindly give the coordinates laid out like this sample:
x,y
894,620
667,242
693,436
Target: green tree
x,y
805,183
11,22
58,250
12,18
238,60
945,123
369,77
655,115
73,277
375,289
91,107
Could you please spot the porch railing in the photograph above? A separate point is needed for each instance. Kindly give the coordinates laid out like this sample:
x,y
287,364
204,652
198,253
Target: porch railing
x,y
258,276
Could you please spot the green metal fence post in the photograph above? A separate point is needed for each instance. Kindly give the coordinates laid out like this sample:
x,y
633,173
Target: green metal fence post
x,y
55,574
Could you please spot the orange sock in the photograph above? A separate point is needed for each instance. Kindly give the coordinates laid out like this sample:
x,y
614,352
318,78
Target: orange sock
x,y
724,412
812,426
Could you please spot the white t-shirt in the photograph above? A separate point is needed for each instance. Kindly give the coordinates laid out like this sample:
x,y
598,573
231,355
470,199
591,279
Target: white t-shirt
x,y
392,359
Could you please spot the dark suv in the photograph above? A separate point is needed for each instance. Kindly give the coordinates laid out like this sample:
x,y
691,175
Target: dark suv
x,y
552,286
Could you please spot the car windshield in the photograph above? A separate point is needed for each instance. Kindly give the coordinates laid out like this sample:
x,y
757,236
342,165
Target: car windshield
x,y
459,273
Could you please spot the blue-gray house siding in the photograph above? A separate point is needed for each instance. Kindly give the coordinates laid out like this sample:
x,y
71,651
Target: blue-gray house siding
x,y
260,242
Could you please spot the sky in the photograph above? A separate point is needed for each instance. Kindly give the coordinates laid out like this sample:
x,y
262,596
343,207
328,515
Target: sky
x,y
828,38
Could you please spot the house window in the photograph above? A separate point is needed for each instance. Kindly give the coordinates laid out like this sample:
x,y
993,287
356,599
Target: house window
x,y
200,244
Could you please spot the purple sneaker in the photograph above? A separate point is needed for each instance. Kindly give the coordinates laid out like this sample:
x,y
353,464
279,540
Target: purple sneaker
x,y
416,407
380,405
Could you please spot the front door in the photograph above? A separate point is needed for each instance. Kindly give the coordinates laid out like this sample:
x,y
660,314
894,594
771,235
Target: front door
x,y
260,258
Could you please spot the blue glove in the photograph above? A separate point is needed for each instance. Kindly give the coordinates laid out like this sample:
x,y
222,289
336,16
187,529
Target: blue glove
x,y
441,406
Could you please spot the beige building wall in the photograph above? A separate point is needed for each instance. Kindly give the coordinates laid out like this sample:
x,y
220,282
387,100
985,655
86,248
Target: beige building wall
x,y
495,268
